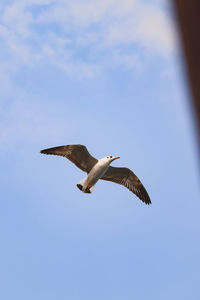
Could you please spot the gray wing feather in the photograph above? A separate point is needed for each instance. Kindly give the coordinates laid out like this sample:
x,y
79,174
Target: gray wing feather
x,y
127,178
78,154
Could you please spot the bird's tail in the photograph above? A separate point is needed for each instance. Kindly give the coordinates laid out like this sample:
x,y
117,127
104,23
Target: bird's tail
x,y
88,190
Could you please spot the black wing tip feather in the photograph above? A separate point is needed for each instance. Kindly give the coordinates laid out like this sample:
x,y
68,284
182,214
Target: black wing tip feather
x,y
146,199
44,151
52,150
49,151
58,148
142,194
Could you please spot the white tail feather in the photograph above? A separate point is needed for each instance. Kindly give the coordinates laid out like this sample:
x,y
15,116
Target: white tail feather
x,y
81,184
91,189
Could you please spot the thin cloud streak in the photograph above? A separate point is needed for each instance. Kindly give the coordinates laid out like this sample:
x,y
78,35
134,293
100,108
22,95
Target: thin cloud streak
x,y
59,32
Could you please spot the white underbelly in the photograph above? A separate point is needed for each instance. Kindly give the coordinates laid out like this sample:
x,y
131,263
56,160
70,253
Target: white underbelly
x,y
95,174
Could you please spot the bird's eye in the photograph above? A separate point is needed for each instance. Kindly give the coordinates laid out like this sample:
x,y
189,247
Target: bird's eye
x,y
111,156
107,156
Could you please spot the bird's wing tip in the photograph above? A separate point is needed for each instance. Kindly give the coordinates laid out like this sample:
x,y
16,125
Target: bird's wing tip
x,y
148,202
43,152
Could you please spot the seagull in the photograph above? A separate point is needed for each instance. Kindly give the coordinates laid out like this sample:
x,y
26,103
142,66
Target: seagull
x,y
99,169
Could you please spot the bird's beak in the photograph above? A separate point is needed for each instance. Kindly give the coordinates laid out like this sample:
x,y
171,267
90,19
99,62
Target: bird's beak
x,y
116,157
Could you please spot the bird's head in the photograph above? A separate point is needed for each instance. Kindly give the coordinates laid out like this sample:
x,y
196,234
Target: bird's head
x,y
111,158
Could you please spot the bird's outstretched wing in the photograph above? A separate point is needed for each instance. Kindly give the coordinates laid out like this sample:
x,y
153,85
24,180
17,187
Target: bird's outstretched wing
x,y
127,178
78,154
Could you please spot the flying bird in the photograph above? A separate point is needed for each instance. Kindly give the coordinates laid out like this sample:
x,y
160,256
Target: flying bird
x,y
99,169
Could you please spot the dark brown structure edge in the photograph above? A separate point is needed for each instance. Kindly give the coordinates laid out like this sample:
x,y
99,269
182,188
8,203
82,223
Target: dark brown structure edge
x,y
188,19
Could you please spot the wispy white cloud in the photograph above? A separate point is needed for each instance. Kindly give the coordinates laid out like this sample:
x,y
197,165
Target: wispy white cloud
x,y
81,38
78,36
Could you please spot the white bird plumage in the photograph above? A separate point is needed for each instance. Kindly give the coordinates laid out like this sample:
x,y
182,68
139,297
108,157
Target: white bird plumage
x,y
99,169
87,184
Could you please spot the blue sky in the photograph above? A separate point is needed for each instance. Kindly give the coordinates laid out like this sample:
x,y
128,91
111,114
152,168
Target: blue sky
x,y
108,75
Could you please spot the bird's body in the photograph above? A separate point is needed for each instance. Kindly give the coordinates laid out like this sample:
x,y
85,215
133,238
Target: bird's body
x,y
99,169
